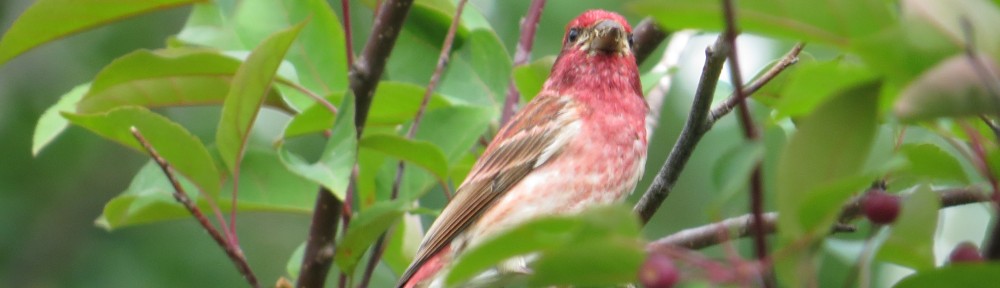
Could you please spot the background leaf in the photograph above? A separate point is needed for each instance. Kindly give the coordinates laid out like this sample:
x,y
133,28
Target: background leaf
x,y
318,54
364,229
529,78
830,146
333,170
793,19
612,228
421,153
51,124
35,26
249,87
911,238
183,151
954,88
173,77
818,170
266,186
967,276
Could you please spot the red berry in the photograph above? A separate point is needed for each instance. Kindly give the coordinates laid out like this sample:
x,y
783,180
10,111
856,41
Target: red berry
x,y
880,207
658,272
965,252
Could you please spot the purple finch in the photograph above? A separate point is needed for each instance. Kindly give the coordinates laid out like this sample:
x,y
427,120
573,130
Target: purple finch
x,y
580,143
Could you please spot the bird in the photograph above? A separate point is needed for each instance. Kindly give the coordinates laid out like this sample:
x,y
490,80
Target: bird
x,y
580,143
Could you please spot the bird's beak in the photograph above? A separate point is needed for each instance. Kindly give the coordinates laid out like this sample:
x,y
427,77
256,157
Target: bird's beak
x,y
609,37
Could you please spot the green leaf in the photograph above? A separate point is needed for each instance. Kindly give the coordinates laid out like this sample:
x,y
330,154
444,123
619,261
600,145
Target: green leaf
x,y
813,83
821,161
605,262
911,238
612,228
333,170
48,20
397,102
173,77
421,153
318,54
983,275
928,32
820,208
830,146
954,88
266,185
51,124
183,151
792,19
364,230
369,165
940,21
249,88
929,162
530,77
315,119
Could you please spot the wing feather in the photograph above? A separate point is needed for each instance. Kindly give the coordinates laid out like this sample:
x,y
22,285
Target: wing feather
x,y
534,136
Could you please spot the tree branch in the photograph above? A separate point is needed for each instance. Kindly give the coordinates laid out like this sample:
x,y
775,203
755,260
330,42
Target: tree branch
x,y
379,248
529,24
232,250
708,235
365,73
715,57
367,69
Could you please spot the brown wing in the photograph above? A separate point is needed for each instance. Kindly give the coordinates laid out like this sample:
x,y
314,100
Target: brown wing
x,y
534,135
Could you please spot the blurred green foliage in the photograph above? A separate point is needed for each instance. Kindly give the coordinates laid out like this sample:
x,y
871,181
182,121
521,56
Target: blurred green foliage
x,y
829,130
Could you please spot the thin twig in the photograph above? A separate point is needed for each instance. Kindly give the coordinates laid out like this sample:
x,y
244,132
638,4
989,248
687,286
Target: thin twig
x,y
724,108
442,62
529,24
319,99
234,252
364,75
345,8
715,57
707,236
752,134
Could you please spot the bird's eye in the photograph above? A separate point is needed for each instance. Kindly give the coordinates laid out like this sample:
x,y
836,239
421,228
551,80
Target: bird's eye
x,y
573,34
631,41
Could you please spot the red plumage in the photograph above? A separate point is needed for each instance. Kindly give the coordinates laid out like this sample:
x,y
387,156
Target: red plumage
x,y
580,143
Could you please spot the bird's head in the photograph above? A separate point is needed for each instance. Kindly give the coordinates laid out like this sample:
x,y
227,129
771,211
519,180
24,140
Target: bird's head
x,y
599,32
596,56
